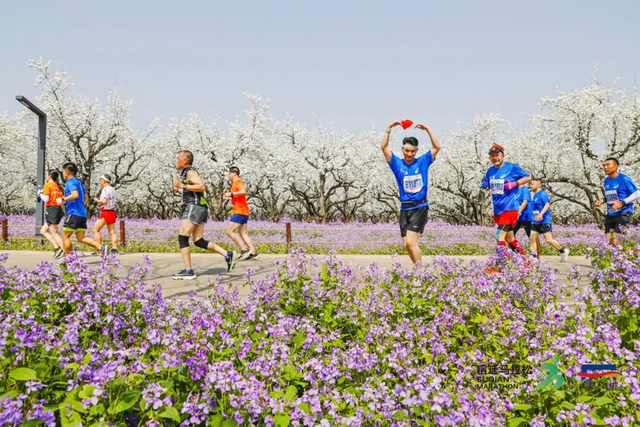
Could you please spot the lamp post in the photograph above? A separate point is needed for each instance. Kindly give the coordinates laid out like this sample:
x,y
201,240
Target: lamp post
x,y
42,142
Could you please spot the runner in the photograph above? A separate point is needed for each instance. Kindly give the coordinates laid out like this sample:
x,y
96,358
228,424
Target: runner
x,y
526,213
75,197
107,202
412,176
238,221
542,222
620,193
194,215
502,179
50,194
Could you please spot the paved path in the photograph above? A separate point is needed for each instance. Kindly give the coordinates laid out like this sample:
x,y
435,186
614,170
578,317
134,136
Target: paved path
x,y
207,266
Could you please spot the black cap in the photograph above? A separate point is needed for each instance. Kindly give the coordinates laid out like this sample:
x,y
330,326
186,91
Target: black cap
x,y
411,140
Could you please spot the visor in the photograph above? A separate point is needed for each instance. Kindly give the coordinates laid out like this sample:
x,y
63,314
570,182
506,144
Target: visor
x,y
108,180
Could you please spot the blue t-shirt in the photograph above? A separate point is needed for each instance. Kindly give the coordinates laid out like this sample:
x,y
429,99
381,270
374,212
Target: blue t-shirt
x,y
503,200
75,207
539,200
412,179
527,213
618,188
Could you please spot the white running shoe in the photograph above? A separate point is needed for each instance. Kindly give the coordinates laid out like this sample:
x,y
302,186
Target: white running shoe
x,y
564,255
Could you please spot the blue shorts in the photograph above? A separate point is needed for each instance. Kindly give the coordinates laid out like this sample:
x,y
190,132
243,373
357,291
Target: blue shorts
x,y
239,219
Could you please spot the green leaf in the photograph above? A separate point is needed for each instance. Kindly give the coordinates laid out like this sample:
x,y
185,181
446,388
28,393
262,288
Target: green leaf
x,y
282,420
298,340
325,273
584,398
97,410
229,423
522,407
215,420
87,392
291,394
33,422
78,407
304,406
86,359
169,412
126,401
399,416
41,369
516,422
23,374
276,394
601,401
567,405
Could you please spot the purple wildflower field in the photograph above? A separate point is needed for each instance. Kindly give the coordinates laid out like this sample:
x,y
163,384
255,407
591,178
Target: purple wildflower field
x,y
316,344
439,237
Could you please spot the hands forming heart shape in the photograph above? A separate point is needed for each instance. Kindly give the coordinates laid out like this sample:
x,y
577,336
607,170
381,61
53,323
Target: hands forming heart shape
x,y
406,124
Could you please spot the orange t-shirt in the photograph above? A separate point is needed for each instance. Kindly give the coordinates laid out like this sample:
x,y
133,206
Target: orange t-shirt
x,y
52,189
240,206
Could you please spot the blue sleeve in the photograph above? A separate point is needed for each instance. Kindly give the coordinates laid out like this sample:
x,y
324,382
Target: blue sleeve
x,y
428,160
517,172
545,199
485,182
72,185
527,195
393,164
631,186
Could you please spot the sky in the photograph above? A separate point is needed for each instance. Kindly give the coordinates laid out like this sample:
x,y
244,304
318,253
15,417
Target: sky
x,y
356,65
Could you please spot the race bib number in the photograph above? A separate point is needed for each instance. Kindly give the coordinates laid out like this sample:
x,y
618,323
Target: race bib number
x,y
496,186
611,196
536,213
413,183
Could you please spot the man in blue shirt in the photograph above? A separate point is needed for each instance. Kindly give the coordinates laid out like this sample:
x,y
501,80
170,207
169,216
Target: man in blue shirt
x,y
620,192
542,222
525,217
412,176
75,197
503,179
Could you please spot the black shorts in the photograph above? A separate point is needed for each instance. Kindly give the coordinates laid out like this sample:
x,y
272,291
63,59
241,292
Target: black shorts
x,y
521,224
541,228
75,223
413,220
53,215
613,223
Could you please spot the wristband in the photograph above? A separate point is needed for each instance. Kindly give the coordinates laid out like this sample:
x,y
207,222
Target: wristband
x,y
388,131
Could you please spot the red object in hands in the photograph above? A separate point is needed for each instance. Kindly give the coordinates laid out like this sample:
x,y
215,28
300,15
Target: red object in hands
x,y
406,124
510,185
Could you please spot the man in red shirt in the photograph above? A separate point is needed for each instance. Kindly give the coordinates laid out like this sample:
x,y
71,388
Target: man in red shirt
x,y
240,217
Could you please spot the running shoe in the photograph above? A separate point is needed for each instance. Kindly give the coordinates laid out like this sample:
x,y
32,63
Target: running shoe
x,y
114,251
184,275
244,255
254,255
231,258
564,255
491,270
58,253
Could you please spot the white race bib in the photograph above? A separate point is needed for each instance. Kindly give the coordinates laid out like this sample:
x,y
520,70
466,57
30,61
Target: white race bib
x,y
611,196
535,213
496,186
413,183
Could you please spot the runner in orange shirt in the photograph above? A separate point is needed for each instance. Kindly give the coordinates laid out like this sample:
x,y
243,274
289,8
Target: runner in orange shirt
x,y
238,197
50,194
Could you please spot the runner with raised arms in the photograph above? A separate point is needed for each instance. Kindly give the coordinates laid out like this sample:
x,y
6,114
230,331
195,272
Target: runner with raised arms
x,y
412,176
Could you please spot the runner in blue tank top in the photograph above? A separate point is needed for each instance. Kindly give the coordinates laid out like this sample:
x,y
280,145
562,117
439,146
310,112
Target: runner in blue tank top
x,y
412,176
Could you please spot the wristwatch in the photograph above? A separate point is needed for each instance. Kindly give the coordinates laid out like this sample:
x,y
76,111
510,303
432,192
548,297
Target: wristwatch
x,y
388,131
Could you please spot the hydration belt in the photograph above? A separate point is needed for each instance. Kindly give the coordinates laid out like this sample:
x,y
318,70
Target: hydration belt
x,y
411,203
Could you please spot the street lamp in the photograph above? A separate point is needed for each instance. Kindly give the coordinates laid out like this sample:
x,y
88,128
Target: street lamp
x,y
42,142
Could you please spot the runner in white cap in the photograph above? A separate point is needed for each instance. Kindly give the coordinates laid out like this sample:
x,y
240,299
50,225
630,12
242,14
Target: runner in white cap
x,y
107,202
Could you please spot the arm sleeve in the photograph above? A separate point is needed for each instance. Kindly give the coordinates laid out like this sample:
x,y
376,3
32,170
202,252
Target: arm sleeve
x,y
70,186
518,173
545,199
46,191
632,198
527,195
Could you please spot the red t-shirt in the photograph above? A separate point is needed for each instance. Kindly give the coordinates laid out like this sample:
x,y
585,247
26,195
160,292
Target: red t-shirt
x,y
240,206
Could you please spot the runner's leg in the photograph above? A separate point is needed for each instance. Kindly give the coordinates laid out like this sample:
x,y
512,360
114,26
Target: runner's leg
x,y
87,240
114,237
231,232
53,229
412,247
66,241
96,231
198,234
548,237
244,234
535,243
186,229
45,232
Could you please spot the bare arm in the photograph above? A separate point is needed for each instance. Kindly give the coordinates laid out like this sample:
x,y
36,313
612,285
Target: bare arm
x,y
546,207
195,183
523,181
435,144
386,150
